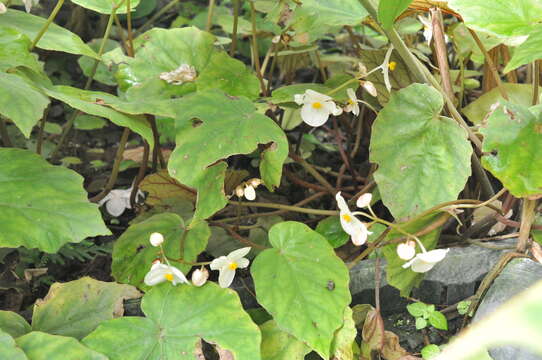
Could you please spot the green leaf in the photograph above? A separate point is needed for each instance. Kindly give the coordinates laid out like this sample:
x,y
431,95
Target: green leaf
x,y
41,346
77,307
160,50
106,6
105,72
421,323
43,206
389,10
94,103
423,158
500,17
430,351
331,229
21,102
526,52
55,38
9,348
285,94
177,316
397,276
13,324
292,283
416,309
88,122
512,140
212,126
133,254
279,345
478,110
341,347
14,51
438,320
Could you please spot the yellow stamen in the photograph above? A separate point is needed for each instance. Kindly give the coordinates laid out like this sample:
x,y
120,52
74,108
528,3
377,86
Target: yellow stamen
x,y
169,277
392,65
233,266
347,217
317,105
350,102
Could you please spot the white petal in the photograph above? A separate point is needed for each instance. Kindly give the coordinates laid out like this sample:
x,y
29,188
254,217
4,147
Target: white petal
x,y
199,277
405,251
351,94
355,109
3,8
314,96
421,266
242,263
364,200
238,254
156,275
409,263
314,117
178,276
219,263
115,206
336,110
106,198
341,203
360,236
433,256
226,277
298,98
250,193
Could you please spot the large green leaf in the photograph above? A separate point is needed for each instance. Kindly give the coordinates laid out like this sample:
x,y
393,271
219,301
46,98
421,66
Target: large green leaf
x,y
211,126
13,324
106,69
528,51
107,6
21,102
90,102
133,254
512,142
55,38
406,279
9,349
279,345
43,206
160,50
14,50
478,110
303,284
77,307
501,17
389,10
41,346
423,158
177,317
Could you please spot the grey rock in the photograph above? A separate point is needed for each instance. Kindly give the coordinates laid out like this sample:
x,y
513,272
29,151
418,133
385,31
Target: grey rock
x,y
516,277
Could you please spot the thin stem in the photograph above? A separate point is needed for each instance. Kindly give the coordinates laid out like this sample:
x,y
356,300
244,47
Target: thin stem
x,y
286,207
210,13
342,86
130,47
263,88
311,170
370,248
233,45
387,223
441,52
40,131
527,220
536,80
45,26
140,173
116,167
6,141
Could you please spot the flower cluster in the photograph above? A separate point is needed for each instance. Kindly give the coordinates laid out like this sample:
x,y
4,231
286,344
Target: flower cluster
x,y
421,262
118,200
350,224
226,265
248,189
184,73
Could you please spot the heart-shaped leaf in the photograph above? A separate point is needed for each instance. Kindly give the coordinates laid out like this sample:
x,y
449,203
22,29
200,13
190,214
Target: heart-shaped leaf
x,y
13,324
14,50
41,346
107,6
77,307
279,345
512,141
9,348
43,206
423,158
133,254
177,317
303,284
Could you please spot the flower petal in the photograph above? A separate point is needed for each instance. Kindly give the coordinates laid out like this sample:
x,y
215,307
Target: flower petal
x,y
341,203
405,251
314,117
364,200
360,236
155,276
178,276
238,254
313,96
351,94
250,193
242,263
226,277
219,263
115,206
421,266
433,256
298,98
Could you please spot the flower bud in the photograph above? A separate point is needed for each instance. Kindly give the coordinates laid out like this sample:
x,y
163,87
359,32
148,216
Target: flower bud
x,y
254,182
369,86
364,200
156,239
250,193
200,276
407,250
239,191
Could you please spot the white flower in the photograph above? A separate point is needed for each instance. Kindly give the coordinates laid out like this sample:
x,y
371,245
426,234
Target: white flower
x,y
352,102
200,276
370,87
424,261
161,272
428,29
156,239
248,189
3,8
228,264
250,193
364,200
406,250
184,73
118,200
316,107
29,3
350,224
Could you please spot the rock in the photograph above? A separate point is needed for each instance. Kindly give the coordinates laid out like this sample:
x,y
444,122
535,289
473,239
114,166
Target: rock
x,y
517,276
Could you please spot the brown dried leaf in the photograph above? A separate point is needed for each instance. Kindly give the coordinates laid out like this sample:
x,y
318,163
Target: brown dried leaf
x,y
373,330
160,186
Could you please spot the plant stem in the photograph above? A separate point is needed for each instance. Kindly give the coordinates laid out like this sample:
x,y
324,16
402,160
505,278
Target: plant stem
x,y
45,26
159,13
210,13
441,52
40,131
6,141
233,45
527,220
286,207
263,88
130,47
536,80
311,170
